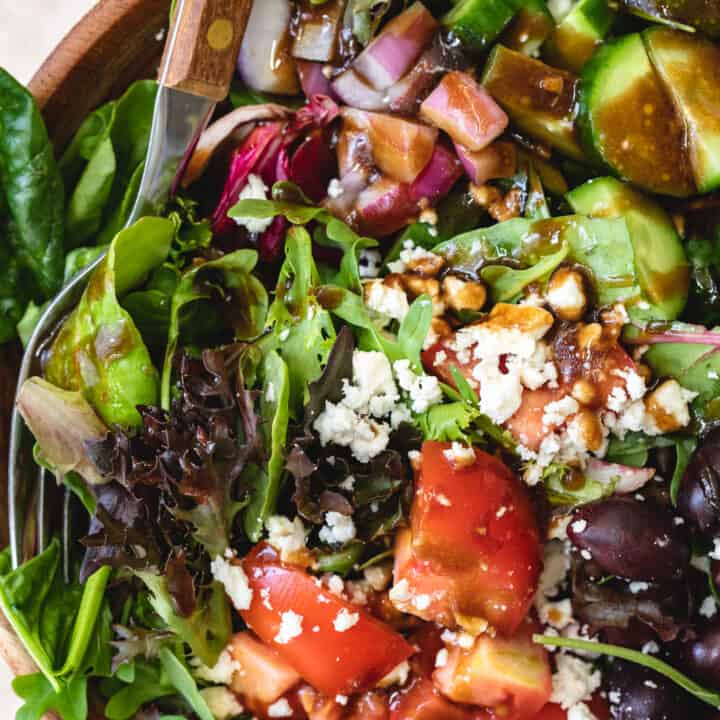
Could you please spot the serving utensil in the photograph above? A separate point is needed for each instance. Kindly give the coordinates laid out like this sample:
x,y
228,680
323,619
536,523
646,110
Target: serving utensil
x,y
195,73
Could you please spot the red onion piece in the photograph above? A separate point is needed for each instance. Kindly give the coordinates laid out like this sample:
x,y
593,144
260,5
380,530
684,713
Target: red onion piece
x,y
392,53
342,203
222,131
354,91
319,111
353,152
313,79
465,111
627,479
400,148
385,207
265,62
438,178
317,32
272,241
699,336
497,160
247,159
406,95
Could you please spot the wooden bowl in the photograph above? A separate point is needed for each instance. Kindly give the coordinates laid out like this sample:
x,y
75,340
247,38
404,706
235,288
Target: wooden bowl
x,y
117,42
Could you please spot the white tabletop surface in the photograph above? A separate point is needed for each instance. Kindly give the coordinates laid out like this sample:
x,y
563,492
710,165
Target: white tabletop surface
x,y
29,29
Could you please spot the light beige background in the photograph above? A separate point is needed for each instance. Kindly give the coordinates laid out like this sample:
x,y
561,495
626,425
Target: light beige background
x,y
29,29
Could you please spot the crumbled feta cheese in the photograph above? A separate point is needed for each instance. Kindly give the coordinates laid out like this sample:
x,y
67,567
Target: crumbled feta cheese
x,y
637,586
341,699
400,592
651,648
222,672
235,582
335,189
441,658
567,295
397,676
422,602
254,190
580,712
286,536
373,390
290,627
579,526
280,709
348,483
338,528
378,576
574,681
668,405
556,614
708,609
386,300
369,263
222,703
714,554
460,455
556,413
344,620
409,255
423,390
336,585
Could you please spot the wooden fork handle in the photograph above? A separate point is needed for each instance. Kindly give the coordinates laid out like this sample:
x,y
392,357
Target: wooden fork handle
x,y
207,37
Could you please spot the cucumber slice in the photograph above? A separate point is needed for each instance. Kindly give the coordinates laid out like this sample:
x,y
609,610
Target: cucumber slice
x,y
628,123
530,28
660,262
579,33
688,66
539,100
477,23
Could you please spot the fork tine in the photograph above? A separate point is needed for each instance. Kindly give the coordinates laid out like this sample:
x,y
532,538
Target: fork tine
x,y
66,532
42,509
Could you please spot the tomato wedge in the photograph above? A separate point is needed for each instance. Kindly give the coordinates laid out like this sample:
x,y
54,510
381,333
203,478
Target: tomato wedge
x,y
474,551
423,701
340,649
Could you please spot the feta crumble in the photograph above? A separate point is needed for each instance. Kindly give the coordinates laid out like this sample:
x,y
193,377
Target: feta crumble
x,y
234,580
254,190
280,709
290,627
460,455
580,712
423,390
397,676
286,536
222,703
338,529
574,681
344,620
389,301
222,672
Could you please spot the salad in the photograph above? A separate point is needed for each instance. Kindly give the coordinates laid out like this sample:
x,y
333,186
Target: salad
x,y
406,408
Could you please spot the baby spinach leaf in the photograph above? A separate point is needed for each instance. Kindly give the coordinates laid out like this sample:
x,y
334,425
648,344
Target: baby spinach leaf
x,y
274,411
69,700
150,683
103,164
31,208
230,298
98,350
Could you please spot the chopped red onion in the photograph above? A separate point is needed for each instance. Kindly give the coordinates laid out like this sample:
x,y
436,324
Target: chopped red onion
x,y
385,207
497,160
354,91
627,479
406,95
313,79
465,111
317,32
265,62
394,51
438,177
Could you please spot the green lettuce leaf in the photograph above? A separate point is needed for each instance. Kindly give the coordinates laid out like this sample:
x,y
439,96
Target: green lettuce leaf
x,y
99,351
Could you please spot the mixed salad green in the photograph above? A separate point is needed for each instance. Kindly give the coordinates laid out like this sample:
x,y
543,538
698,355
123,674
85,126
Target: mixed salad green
x,y
406,406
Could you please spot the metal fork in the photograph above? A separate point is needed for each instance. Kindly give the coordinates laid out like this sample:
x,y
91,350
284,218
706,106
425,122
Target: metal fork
x,y
195,73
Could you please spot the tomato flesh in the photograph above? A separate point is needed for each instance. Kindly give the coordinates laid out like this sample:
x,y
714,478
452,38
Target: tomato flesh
x,y
335,662
510,675
474,553
423,701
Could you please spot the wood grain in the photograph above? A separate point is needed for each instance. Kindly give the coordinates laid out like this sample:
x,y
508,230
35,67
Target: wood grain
x,y
203,56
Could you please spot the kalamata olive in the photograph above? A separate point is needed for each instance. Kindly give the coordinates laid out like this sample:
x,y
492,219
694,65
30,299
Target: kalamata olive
x,y
699,495
637,693
702,654
631,539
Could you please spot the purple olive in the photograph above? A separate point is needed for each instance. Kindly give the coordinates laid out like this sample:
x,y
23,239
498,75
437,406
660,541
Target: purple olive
x,y
702,654
637,693
699,495
631,539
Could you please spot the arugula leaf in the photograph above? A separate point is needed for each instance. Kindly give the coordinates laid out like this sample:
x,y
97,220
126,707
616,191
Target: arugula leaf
x,y
507,283
227,295
184,683
99,351
149,683
448,422
31,207
303,330
711,697
414,330
274,410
